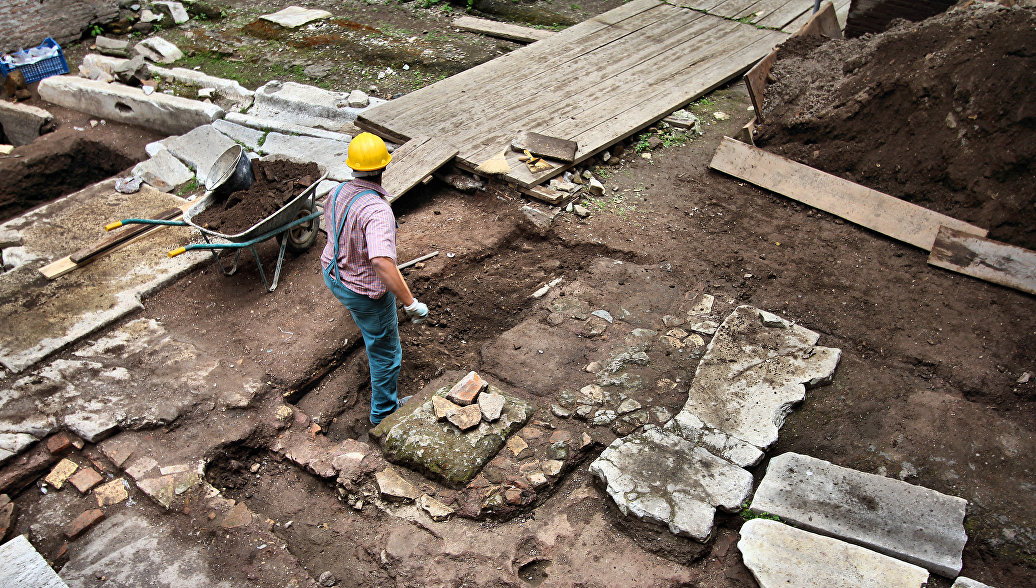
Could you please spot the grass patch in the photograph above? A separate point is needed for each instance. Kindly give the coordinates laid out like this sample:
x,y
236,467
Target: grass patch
x,y
188,188
748,515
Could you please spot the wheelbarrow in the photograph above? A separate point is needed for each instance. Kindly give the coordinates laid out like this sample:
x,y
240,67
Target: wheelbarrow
x,y
294,225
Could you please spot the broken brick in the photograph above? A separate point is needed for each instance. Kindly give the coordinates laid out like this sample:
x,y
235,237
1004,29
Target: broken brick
x,y
6,515
85,479
113,492
467,389
59,444
61,472
442,407
83,522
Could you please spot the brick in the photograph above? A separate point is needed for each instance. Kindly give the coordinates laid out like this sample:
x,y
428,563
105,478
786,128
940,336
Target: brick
x,y
467,389
61,472
113,492
59,444
85,479
83,522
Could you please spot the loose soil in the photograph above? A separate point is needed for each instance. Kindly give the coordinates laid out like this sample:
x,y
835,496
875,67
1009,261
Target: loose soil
x,y
276,182
940,113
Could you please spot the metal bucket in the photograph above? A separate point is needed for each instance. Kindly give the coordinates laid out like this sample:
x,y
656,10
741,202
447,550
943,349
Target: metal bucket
x,y
231,172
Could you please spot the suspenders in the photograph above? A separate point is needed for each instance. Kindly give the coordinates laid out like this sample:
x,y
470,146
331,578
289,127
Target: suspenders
x,y
339,227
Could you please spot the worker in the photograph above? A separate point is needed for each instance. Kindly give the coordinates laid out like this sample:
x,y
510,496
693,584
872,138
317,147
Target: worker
x,y
359,265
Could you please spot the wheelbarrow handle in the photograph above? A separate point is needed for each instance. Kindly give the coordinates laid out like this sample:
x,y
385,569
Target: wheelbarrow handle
x,y
177,251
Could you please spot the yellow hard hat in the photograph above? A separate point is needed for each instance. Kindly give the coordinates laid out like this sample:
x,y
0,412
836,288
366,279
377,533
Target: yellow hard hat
x,y
367,152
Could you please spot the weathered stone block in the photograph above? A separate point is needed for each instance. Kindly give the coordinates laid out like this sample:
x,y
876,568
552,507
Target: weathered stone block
x,y
893,517
115,102
23,124
22,565
660,477
158,50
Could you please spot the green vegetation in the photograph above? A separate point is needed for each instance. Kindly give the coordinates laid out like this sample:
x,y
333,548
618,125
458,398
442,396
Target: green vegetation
x,y
188,188
96,30
749,515
574,6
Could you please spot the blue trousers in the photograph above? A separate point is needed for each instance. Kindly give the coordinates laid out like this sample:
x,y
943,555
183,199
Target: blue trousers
x,y
379,325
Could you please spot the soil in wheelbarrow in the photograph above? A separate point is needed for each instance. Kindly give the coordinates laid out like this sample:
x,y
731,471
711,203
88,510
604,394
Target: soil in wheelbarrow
x,y
276,182
940,113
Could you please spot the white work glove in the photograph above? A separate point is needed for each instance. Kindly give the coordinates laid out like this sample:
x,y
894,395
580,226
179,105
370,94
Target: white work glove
x,y
417,311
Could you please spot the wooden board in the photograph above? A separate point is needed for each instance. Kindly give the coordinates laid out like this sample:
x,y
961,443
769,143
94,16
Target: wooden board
x,y
413,161
594,83
545,146
869,208
502,30
123,237
992,261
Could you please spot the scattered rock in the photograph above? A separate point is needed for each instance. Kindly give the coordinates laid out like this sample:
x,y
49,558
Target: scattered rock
x,y
163,171
59,444
537,479
539,219
83,522
435,508
158,50
61,472
911,523
627,406
581,211
294,16
284,412
85,479
677,333
492,405
392,486
962,582
672,321
671,343
703,306
239,516
113,492
560,412
327,579
6,516
552,467
467,389
705,327
596,187
779,555
358,99
603,417
113,47
603,314
720,115
148,17
175,10
517,445
466,417
442,407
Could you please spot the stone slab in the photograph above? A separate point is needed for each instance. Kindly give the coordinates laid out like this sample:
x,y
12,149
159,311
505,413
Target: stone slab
x,y
658,476
199,148
163,171
231,90
415,437
12,444
118,103
394,487
267,124
22,565
23,124
905,521
328,155
779,555
732,449
305,105
247,136
754,370
158,50
295,16
175,10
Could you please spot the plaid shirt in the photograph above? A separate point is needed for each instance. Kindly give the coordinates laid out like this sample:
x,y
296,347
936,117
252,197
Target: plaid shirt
x,y
369,232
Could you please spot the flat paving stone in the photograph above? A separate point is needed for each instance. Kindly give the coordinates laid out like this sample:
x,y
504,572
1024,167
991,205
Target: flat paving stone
x,y
295,16
327,154
163,171
962,582
22,565
246,136
902,520
415,437
734,450
199,149
779,555
658,476
754,370
264,124
306,105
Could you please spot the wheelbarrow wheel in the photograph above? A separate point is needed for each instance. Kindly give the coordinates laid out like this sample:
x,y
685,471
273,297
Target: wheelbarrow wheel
x,y
301,237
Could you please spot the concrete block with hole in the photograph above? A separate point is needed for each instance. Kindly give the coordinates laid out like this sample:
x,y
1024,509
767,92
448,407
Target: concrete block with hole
x,y
905,521
118,103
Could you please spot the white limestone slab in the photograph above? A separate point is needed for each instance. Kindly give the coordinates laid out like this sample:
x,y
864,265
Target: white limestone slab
x,y
119,103
266,124
158,50
779,555
295,16
199,149
22,123
15,442
306,105
163,171
754,370
902,520
246,136
734,450
660,477
230,89
328,155
175,10
22,565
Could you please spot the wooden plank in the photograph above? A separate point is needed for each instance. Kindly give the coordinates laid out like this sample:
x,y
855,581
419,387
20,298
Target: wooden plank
x,y
869,208
785,14
505,81
823,22
85,255
414,161
992,261
502,30
545,146
762,9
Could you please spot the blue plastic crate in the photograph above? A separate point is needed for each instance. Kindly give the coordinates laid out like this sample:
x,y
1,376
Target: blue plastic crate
x,y
34,72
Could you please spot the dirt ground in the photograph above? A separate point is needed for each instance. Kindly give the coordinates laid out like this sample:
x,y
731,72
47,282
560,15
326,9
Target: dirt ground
x,y
931,387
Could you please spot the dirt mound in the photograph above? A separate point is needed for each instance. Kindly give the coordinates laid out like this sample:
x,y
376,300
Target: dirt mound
x,y
939,113
276,182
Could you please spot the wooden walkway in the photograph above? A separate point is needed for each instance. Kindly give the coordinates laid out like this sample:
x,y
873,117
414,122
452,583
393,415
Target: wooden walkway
x,y
786,15
595,83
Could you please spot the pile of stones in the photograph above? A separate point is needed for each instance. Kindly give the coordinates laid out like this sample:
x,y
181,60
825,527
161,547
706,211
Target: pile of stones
x,y
468,403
